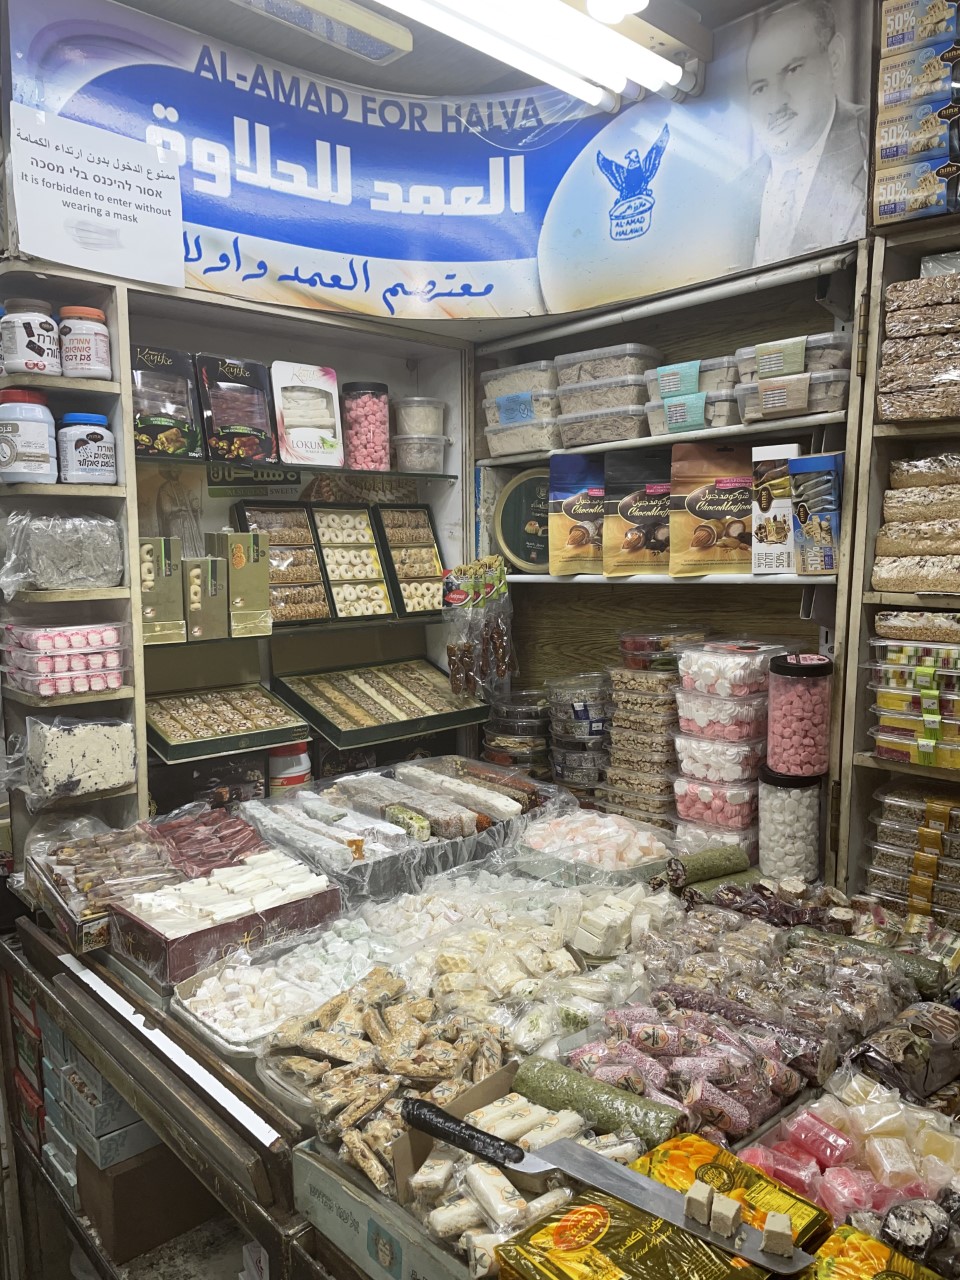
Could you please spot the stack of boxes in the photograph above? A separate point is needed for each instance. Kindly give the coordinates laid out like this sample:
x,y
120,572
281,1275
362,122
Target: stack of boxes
x,y
225,593
917,146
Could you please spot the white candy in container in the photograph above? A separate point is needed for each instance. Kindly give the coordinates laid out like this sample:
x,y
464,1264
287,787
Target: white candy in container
x,y
518,379
420,416
87,636
605,393
789,826
727,668
714,761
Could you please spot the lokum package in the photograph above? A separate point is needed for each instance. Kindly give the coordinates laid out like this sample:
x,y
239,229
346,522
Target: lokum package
x,y
576,514
59,552
710,510
308,414
166,413
237,414
636,525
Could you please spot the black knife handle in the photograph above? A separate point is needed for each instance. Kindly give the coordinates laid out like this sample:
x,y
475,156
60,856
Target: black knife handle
x,y
439,1124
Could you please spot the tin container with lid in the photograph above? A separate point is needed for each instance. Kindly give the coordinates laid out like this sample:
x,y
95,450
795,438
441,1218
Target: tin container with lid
x,y
84,343
520,521
28,444
30,337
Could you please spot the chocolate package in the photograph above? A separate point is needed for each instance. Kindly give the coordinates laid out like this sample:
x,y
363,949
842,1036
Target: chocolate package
x,y
711,509
636,523
575,524
237,410
166,412
918,1053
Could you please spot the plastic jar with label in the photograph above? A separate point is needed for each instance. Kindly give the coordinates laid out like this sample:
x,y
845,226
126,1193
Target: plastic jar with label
x,y
366,426
799,714
290,768
28,443
29,337
789,826
2,366
84,343
86,449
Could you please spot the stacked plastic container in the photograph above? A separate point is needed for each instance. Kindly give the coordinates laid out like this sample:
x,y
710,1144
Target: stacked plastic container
x,y
693,395
521,408
579,718
52,662
643,724
603,394
916,702
915,858
517,733
794,377
722,706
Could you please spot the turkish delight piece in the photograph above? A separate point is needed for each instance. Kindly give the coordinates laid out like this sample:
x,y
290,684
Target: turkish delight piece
x,y
778,1235
698,1202
725,1215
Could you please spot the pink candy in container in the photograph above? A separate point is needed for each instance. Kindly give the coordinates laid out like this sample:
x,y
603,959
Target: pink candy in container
x,y
843,1191
828,1146
62,639
724,719
799,716
366,426
727,668
801,1176
733,806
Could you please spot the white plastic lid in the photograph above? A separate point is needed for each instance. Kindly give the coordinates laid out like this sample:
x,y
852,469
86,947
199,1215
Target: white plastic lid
x,y
815,342
650,354
538,424
418,400
534,395
28,304
820,378
625,380
593,415
535,366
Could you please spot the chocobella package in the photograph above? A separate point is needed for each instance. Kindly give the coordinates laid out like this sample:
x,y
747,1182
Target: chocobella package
x,y
636,522
576,514
711,509
166,415
237,414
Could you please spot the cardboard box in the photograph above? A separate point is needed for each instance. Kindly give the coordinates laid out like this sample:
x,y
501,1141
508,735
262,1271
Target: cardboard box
x,y
205,598
380,1239
911,24
773,541
161,591
816,482
22,1002
916,191
910,134
112,1148
52,1110
27,1052
142,1202
101,1115
56,1137
52,1080
53,1038
248,579
256,1262
29,1117
63,1177
87,934
917,75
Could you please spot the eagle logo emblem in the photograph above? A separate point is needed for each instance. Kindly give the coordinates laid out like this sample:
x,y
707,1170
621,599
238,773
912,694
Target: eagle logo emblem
x,y
632,213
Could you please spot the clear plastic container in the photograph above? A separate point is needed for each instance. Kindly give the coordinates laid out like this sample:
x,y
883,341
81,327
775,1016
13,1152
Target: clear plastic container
x,y
720,374
575,759
696,837
801,686
888,675
535,404
420,453
914,862
794,397
912,653
533,436
657,648
719,804
420,416
636,801
61,662
728,668
85,636
580,775
907,725
916,840
72,682
672,417
518,727
702,715
532,742
643,680
656,712
366,426
602,426
824,351
605,362
932,807
789,826
916,700
522,704
605,393
906,886
938,755
583,697
568,726
656,783
518,379
663,821
651,751
713,761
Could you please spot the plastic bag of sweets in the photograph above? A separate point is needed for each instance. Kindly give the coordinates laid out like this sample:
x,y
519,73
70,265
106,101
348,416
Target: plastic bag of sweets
x,y
918,1052
575,522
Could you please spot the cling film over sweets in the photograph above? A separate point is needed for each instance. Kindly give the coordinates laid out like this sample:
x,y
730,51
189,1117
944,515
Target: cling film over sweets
x,y
576,514
636,523
711,510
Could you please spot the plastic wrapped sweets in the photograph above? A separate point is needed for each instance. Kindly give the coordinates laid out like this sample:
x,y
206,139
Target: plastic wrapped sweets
x,y
58,552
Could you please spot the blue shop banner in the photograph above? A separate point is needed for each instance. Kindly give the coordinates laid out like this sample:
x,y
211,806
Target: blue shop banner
x,y
309,192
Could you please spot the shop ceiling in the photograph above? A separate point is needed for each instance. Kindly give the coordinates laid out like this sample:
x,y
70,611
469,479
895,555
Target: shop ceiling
x,y
437,64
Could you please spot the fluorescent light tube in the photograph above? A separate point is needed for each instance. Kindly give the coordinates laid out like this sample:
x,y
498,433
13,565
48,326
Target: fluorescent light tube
x,y
459,27
341,23
614,11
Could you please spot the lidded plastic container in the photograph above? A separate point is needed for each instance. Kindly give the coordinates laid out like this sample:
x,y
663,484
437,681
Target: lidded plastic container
x,y
713,761
914,653
605,362
517,379
30,337
799,714
601,426
789,826
86,449
522,704
534,435
420,416
794,396
289,768
366,426
702,715
822,351
84,343
719,374
644,650
605,393
520,409
693,413
731,805
420,453
728,668
28,441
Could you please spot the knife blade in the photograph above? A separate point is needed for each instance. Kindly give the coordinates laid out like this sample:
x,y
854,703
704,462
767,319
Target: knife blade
x,y
594,1170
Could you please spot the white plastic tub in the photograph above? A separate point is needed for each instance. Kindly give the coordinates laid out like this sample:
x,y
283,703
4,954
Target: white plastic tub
x,y
538,375
720,374
669,417
420,453
535,404
606,362
794,396
420,416
606,393
523,437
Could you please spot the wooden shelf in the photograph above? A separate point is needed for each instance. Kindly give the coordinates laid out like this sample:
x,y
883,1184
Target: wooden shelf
x,y
65,491
907,600
865,760
54,386
123,694
664,580
916,430
67,597
283,469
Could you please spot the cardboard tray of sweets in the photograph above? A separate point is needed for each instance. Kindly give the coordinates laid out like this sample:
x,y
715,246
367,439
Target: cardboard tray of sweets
x,y
226,744
471,713
171,960
387,560
88,933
